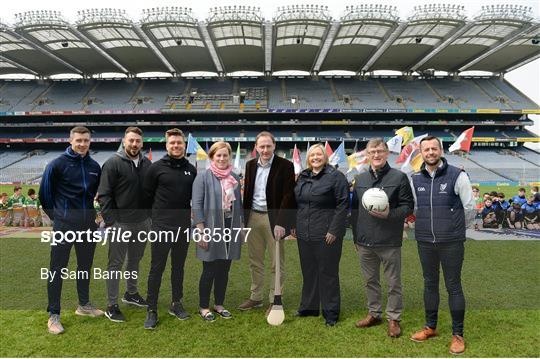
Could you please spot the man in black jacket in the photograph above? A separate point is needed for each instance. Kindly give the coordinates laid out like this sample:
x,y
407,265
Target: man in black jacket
x,y
119,195
378,235
167,189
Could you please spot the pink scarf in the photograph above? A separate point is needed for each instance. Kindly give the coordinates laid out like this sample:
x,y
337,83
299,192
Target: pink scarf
x,y
228,184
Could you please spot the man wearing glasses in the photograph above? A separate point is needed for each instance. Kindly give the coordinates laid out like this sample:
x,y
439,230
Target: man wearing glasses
x,y
378,235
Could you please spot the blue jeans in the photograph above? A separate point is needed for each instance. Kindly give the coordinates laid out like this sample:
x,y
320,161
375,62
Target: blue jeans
x,y
449,256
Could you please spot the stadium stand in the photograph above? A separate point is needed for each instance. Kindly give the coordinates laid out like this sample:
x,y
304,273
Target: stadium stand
x,y
279,93
37,114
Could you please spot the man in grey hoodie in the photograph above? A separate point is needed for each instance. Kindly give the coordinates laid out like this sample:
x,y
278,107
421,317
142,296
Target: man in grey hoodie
x,y
119,195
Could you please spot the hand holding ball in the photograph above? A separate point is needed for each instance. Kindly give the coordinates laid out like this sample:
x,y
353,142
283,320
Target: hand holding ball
x,y
375,199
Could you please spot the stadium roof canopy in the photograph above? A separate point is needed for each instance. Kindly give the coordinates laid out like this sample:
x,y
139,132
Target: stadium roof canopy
x,y
300,37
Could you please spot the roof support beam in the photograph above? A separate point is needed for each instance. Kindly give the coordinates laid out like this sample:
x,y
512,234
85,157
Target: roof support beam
x,y
154,49
93,45
268,43
325,48
442,46
499,46
43,50
522,63
16,64
385,44
211,49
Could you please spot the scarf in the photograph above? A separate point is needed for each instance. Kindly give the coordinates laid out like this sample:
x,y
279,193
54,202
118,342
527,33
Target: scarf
x,y
228,184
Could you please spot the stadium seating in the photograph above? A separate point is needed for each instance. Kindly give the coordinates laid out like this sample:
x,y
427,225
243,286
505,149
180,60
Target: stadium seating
x,y
211,94
63,96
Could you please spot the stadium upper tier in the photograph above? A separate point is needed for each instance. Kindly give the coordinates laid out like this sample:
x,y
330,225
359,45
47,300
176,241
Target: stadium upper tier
x,y
362,39
465,95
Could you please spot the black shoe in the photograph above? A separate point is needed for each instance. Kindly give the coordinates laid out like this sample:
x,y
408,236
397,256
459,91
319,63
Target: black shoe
x,y
177,309
151,320
134,299
306,313
114,314
331,323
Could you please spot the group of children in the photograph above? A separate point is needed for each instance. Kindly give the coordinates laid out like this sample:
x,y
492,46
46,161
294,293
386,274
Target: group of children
x,y
520,212
21,211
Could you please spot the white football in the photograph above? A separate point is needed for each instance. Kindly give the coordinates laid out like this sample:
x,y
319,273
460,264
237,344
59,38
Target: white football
x,y
375,199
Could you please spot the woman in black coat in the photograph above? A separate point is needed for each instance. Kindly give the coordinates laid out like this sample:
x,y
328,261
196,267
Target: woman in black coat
x,y
322,195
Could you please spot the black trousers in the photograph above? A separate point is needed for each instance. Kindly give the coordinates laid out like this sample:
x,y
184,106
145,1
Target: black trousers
x,y
320,271
58,266
450,257
160,252
215,273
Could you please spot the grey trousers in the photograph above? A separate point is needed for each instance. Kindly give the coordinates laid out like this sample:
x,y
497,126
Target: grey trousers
x,y
134,250
370,263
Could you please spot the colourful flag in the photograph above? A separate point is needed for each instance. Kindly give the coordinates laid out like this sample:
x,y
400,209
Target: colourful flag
x,y
406,134
357,160
339,156
236,165
254,152
328,149
194,147
394,144
463,142
409,148
413,162
296,161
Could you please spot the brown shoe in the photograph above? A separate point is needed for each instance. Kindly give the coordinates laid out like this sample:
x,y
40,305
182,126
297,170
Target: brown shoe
x,y
250,304
394,330
368,321
458,345
424,334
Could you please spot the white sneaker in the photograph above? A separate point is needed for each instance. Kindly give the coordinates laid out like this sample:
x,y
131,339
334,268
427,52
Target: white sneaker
x,y
88,310
54,326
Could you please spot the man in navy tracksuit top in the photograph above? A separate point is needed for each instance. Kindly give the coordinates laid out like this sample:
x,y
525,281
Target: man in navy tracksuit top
x,y
167,190
445,206
67,192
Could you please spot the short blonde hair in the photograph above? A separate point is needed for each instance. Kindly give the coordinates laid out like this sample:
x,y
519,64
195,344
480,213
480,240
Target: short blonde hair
x,y
313,148
218,146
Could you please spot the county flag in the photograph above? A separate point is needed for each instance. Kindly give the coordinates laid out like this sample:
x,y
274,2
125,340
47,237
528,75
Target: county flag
x,y
194,147
406,134
296,161
357,160
409,148
237,158
463,142
328,149
394,144
339,156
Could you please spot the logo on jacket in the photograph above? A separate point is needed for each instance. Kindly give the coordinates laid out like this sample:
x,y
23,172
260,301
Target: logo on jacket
x,y
443,187
421,189
187,173
93,173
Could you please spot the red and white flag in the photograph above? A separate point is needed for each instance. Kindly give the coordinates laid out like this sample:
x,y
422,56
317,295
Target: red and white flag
x,y
296,161
463,142
328,149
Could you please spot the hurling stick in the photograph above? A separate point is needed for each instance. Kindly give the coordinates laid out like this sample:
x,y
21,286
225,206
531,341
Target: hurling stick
x,y
276,315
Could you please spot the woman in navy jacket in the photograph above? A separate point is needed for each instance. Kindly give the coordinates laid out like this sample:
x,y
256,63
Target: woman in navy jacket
x,y
322,194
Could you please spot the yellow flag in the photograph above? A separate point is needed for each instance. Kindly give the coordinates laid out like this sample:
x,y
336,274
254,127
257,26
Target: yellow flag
x,y
406,133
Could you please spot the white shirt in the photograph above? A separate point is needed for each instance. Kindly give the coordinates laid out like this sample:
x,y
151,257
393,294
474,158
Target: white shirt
x,y
261,178
463,189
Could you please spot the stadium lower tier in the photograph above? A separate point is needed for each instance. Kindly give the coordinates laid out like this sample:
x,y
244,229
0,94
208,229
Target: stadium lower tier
x,y
518,165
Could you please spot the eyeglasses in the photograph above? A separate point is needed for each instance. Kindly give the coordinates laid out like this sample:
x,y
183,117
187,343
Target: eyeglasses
x,y
376,152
